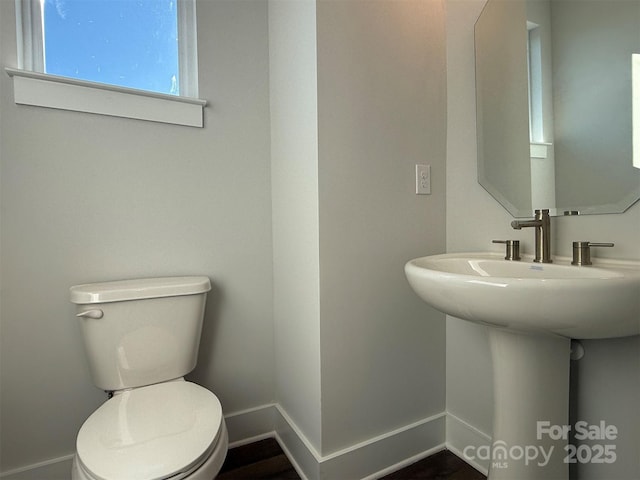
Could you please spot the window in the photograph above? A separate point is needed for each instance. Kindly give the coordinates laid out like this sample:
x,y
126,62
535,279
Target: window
x,y
534,63
128,48
131,43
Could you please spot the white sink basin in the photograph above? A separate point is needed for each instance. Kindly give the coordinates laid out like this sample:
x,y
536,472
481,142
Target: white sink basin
x,y
531,372
598,301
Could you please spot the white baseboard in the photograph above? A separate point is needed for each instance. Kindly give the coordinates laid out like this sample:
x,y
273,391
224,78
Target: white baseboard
x,y
368,460
244,427
53,469
251,425
461,435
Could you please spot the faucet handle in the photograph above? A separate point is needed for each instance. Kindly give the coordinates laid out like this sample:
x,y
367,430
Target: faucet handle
x,y
512,251
582,252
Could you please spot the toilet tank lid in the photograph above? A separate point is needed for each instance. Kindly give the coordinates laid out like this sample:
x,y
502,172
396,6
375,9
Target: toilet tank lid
x,y
138,289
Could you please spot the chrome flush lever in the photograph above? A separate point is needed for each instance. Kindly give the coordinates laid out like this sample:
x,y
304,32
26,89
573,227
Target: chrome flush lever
x,y
582,252
512,249
95,313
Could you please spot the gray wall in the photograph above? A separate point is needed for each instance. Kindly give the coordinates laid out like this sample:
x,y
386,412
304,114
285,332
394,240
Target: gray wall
x,y
607,380
88,198
354,108
381,110
324,229
294,177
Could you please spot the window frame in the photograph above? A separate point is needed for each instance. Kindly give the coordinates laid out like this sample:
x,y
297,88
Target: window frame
x,y
32,86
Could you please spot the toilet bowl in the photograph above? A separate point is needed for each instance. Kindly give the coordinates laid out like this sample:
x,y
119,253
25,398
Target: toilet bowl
x,y
138,335
169,430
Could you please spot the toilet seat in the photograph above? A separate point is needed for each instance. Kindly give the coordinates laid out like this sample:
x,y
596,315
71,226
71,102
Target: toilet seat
x,y
156,432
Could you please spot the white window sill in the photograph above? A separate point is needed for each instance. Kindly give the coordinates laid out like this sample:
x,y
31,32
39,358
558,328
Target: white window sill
x,y
44,90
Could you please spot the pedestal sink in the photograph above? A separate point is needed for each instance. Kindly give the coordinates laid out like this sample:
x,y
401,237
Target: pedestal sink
x,y
533,310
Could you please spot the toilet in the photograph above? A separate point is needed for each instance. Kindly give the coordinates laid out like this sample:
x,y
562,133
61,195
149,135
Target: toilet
x,y
141,337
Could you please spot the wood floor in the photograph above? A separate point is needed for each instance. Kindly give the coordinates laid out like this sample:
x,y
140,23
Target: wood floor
x,y
266,460
263,459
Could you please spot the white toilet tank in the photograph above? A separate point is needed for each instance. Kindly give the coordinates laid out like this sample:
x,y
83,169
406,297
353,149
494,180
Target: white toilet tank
x,y
141,332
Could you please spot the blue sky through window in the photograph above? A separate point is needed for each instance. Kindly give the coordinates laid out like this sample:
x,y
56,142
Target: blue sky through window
x,y
131,43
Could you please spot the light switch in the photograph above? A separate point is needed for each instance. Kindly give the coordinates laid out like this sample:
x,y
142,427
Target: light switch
x,y
423,179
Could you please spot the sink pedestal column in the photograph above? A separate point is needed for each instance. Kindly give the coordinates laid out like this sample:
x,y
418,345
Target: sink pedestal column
x,y
531,406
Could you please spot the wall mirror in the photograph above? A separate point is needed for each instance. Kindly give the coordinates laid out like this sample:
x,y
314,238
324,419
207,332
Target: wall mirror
x,y
554,104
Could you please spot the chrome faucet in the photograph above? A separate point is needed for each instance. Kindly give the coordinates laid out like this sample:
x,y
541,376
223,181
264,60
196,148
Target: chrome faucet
x,y
542,225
